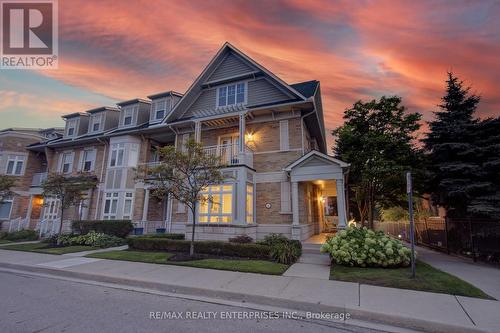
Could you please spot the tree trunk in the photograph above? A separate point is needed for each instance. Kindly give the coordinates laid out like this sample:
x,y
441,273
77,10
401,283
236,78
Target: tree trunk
x,y
191,247
371,208
60,225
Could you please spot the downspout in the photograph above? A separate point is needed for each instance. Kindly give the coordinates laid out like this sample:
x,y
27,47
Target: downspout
x,y
104,159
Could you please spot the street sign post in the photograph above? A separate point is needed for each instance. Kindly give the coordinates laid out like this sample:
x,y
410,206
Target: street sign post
x,y
412,224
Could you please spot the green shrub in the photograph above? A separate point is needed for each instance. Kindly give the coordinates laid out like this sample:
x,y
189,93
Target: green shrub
x,y
3,234
283,250
241,239
167,236
366,248
91,239
22,235
118,228
254,251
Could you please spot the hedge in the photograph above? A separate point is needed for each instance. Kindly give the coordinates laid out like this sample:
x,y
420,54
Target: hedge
x,y
118,228
167,236
218,248
21,235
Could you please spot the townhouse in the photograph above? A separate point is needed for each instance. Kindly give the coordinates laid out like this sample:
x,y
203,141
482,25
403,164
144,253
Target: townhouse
x,y
270,135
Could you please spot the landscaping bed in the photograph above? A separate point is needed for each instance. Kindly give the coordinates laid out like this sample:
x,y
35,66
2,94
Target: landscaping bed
x,y
155,257
18,236
427,278
47,248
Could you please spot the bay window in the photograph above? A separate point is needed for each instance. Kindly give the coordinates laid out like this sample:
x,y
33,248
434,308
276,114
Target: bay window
x,y
231,94
118,205
117,155
216,205
249,204
110,206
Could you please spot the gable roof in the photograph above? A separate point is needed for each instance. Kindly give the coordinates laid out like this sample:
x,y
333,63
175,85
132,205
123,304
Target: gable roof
x,y
307,88
196,87
312,154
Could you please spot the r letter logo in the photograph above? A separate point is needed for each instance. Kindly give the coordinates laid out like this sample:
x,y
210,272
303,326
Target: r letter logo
x,y
29,34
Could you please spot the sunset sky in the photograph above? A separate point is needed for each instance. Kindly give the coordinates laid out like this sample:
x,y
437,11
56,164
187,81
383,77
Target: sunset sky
x,y
116,50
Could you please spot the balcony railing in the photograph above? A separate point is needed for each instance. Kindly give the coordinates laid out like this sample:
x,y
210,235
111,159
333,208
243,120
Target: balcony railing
x,y
38,179
230,155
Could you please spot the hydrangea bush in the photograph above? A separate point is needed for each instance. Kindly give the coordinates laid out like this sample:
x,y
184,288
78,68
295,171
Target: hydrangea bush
x,y
366,248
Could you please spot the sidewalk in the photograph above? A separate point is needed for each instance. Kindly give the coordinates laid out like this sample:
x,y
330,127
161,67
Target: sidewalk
x,y
484,277
406,308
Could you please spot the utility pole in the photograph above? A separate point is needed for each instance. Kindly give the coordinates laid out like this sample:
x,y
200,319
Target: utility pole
x,y
412,224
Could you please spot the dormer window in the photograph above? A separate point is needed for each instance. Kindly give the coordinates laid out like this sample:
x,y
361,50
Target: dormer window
x,y
231,94
71,127
159,109
96,122
129,113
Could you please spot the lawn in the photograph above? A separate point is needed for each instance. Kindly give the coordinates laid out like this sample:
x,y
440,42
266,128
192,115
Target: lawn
x,y
4,241
44,248
427,278
251,266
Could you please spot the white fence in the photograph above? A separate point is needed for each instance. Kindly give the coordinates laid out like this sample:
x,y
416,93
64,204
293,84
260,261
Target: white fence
x,y
48,227
18,224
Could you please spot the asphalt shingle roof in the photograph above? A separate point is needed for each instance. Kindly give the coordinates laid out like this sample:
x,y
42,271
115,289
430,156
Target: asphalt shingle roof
x,y
306,88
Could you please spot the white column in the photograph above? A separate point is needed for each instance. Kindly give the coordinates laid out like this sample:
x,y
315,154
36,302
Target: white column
x,y
28,213
295,203
197,131
341,204
146,206
241,196
242,125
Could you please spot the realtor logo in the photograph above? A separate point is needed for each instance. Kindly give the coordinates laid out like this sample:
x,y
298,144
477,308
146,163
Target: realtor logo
x,y
29,34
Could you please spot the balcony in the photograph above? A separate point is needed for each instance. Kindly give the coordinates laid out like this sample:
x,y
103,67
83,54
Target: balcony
x,y
230,155
38,179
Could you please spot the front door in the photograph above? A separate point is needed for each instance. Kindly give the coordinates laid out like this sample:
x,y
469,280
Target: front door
x,y
51,209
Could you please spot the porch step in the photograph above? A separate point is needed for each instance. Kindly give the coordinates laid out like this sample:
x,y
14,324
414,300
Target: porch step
x,y
311,248
316,259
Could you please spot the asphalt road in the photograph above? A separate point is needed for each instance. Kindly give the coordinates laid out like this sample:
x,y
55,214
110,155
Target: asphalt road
x,y
38,304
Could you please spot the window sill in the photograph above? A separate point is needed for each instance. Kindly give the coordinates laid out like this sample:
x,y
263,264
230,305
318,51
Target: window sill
x,y
286,213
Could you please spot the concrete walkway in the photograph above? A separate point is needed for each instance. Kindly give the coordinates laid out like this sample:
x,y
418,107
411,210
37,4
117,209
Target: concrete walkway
x,y
311,264
486,278
406,308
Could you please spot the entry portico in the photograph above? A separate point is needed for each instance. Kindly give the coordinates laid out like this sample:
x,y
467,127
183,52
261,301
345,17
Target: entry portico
x,y
327,175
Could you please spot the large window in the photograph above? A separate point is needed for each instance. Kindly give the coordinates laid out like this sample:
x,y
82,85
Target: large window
x,y
50,208
117,154
118,205
249,205
5,208
15,165
217,204
231,94
66,163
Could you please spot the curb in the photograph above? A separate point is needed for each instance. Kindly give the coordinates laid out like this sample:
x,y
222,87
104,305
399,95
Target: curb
x,y
356,313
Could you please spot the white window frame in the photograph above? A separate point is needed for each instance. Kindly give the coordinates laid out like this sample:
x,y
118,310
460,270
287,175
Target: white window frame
x,y
111,197
129,111
11,201
155,109
96,119
85,158
205,218
70,162
128,196
71,123
15,159
115,150
226,97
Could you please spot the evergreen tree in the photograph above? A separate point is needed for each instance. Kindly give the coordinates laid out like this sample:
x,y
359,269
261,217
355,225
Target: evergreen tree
x,y
463,154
